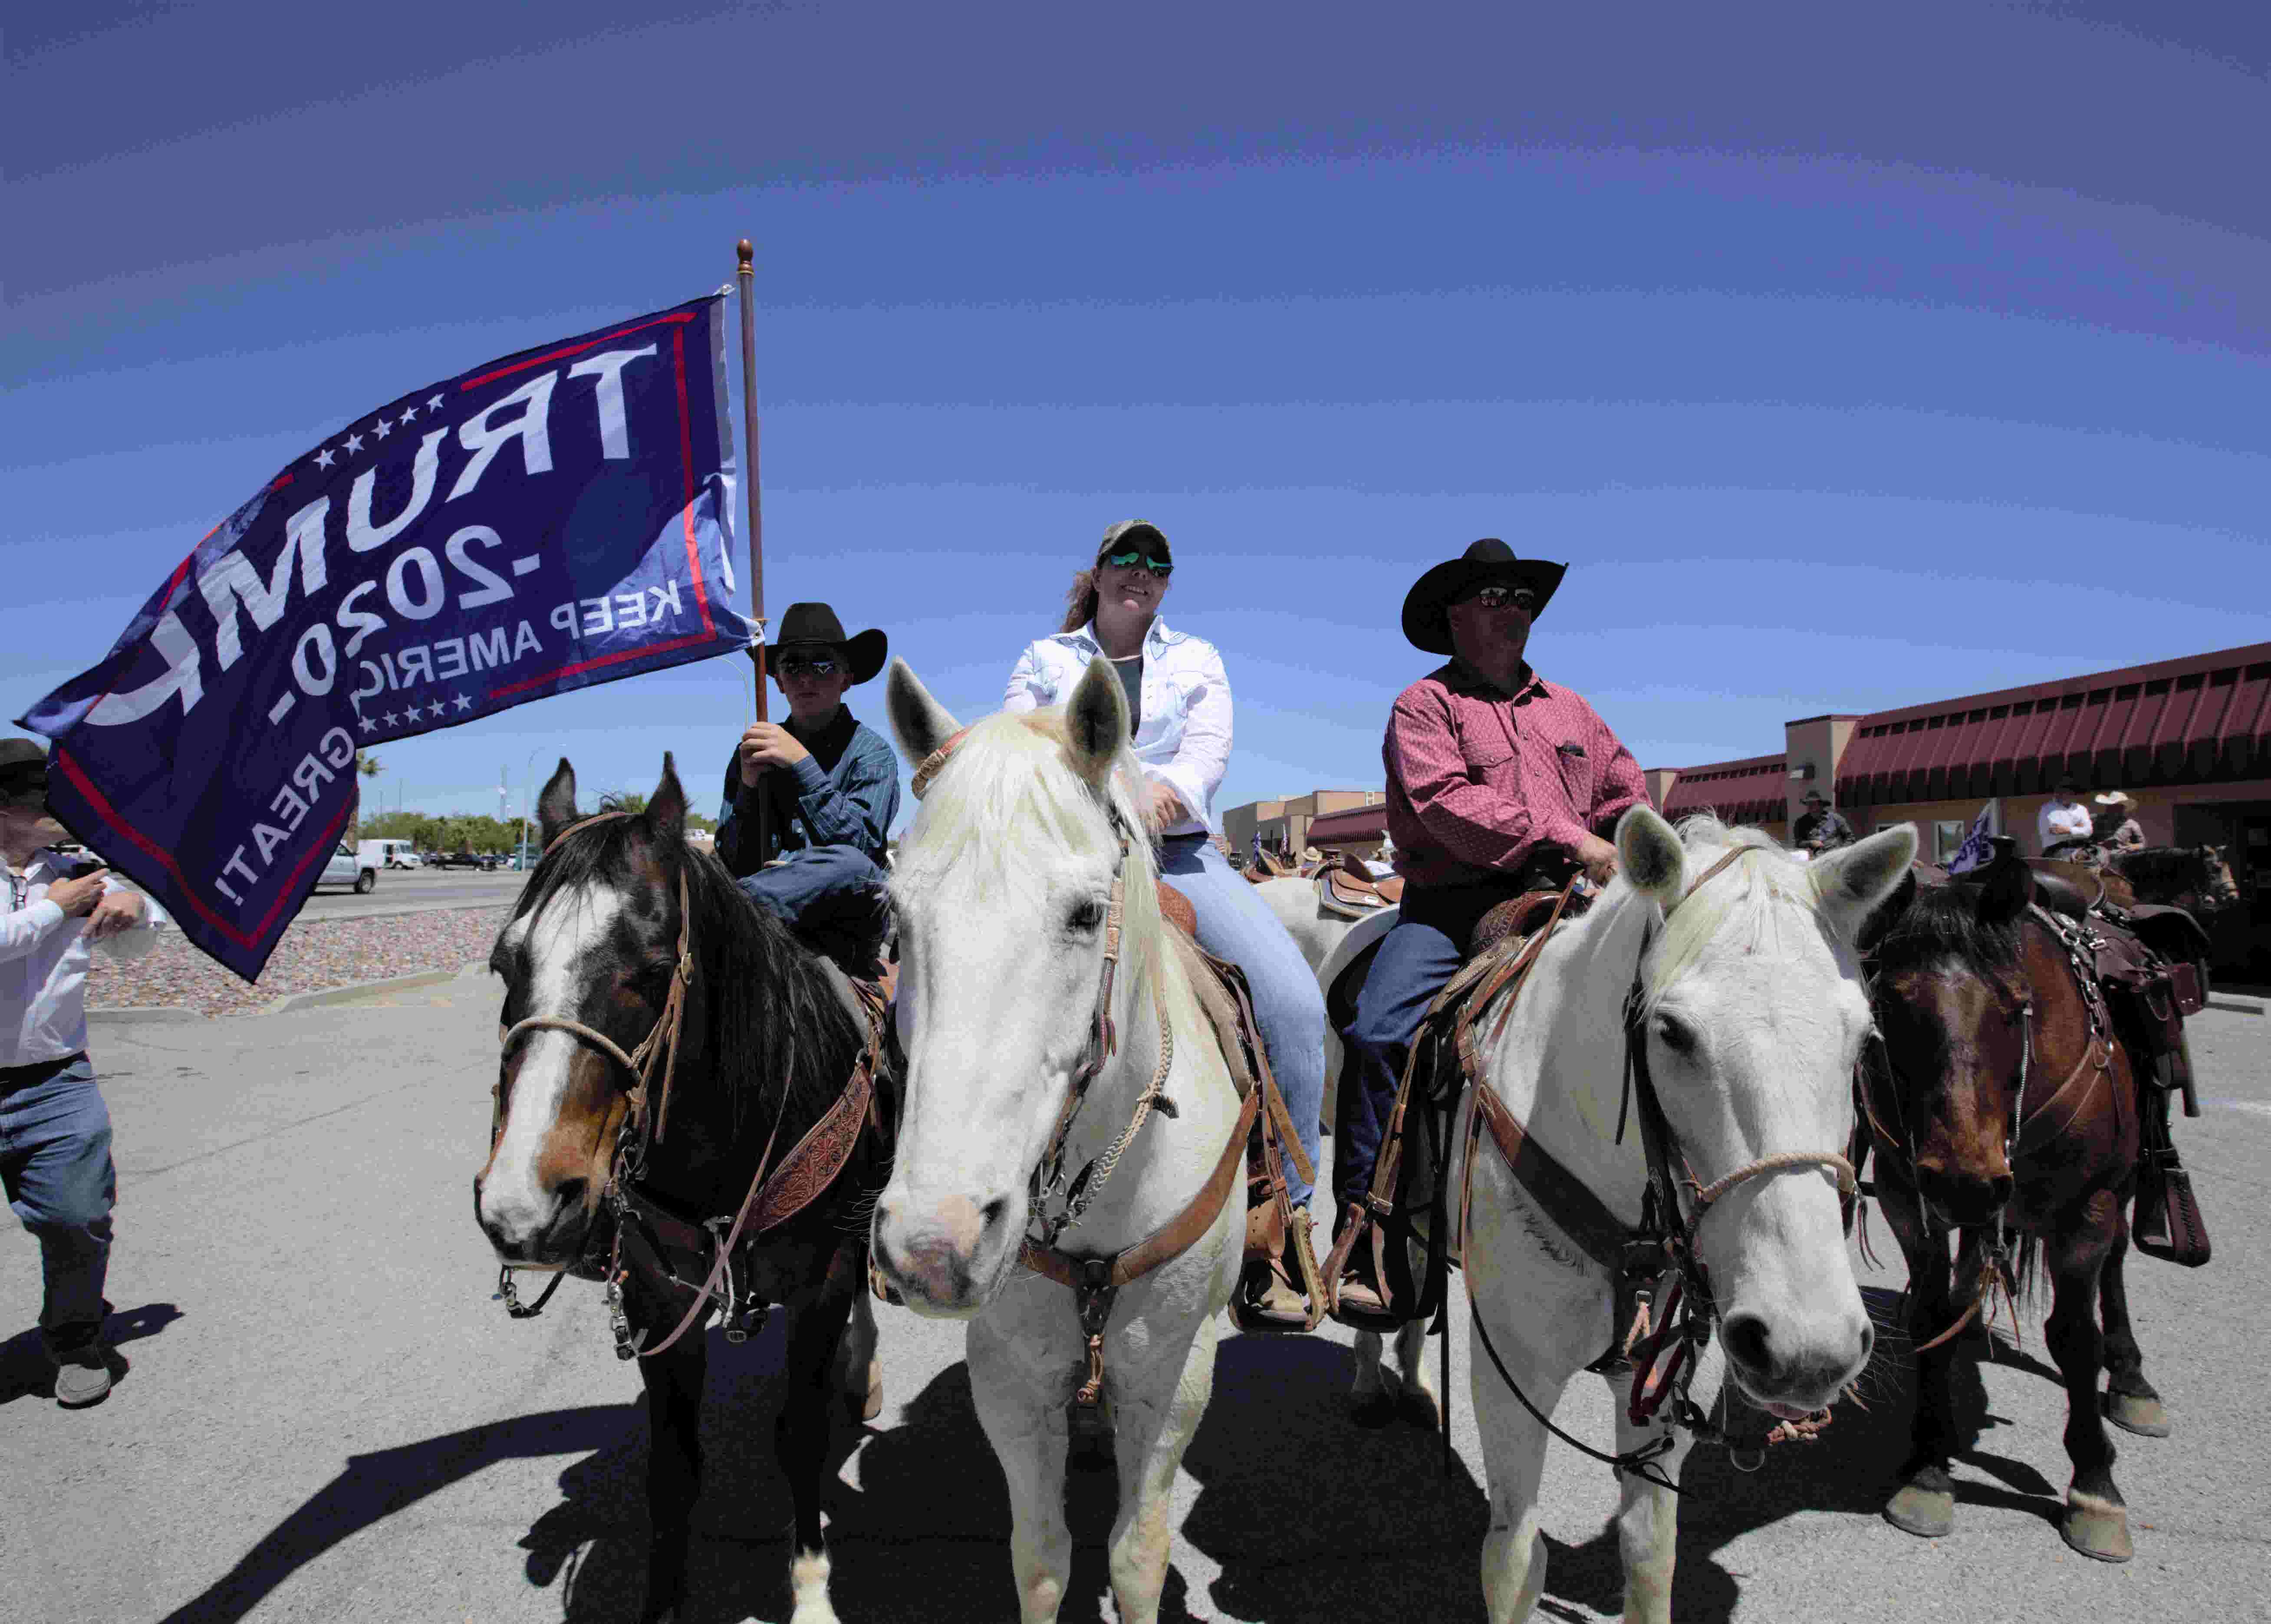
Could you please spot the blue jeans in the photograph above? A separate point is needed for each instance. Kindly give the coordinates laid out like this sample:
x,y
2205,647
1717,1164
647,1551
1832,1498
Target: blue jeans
x,y
1237,925
54,1164
1423,951
833,897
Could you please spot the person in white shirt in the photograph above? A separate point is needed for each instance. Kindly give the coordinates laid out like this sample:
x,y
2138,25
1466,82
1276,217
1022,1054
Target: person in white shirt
x,y
54,1129
1179,715
2064,823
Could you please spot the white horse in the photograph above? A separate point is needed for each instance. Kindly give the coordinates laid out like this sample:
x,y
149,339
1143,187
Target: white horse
x,y
1754,1016
1002,888
1329,942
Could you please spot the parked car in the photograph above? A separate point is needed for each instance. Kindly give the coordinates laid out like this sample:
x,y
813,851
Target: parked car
x,y
348,867
460,860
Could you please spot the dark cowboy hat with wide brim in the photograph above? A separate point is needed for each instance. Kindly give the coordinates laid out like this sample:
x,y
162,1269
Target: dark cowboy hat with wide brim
x,y
1487,562
809,625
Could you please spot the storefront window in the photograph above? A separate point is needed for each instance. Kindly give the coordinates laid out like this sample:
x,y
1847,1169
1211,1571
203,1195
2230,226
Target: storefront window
x,y
1947,839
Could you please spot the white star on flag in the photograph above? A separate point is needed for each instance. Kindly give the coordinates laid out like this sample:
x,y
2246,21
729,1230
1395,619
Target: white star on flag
x,y
355,442
392,718
463,703
383,428
408,413
323,458
368,725
433,403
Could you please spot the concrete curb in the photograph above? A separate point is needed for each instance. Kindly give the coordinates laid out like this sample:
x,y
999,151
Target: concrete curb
x,y
359,989
137,1014
2235,1005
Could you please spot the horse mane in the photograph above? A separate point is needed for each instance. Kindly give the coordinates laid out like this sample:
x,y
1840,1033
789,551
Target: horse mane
x,y
775,1029
1009,787
1941,924
1749,899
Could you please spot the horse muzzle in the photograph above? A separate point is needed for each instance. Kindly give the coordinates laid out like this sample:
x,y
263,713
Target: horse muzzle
x,y
542,1227
1795,1368
947,1257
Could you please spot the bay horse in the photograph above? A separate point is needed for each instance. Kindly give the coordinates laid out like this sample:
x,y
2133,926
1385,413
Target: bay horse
x,y
1051,1023
1725,971
605,1164
2003,1100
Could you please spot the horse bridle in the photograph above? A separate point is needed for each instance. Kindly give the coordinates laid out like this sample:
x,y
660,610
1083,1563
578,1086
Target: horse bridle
x,y
640,1128
1675,1204
1050,1180
1662,1348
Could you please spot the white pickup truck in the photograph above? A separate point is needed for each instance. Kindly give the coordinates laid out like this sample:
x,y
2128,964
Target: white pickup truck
x,y
347,869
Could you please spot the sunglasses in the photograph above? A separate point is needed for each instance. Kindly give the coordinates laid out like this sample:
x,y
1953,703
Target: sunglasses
x,y
808,664
1127,561
1503,598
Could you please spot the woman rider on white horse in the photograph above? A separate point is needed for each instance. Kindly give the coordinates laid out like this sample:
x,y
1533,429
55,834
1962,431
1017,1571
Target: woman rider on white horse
x,y
1180,720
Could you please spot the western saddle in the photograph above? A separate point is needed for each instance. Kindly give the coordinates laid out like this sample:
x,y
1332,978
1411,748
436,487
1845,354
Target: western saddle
x,y
1344,887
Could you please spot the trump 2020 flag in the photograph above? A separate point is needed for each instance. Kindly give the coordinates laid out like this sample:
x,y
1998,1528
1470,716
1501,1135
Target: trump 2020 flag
x,y
547,521
1977,846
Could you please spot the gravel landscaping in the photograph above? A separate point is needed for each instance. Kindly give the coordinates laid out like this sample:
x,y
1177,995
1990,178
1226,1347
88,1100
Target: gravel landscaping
x,y
312,955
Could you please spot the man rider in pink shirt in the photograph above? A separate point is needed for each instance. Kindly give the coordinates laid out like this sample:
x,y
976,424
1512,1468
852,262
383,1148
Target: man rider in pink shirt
x,y
1499,782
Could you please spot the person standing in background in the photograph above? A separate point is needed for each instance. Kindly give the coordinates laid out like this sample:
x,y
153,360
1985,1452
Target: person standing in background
x,y
54,1129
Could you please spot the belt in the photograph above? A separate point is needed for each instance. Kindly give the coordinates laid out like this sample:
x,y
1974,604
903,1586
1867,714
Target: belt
x,y
38,1071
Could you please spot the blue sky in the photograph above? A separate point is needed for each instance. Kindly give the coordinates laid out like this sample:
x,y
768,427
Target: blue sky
x,y
1852,360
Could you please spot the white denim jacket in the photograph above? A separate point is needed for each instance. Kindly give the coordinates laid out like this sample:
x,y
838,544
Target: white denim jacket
x,y
1183,739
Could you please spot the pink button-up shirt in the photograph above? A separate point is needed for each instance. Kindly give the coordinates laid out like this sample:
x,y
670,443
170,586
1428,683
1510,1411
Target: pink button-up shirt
x,y
1479,784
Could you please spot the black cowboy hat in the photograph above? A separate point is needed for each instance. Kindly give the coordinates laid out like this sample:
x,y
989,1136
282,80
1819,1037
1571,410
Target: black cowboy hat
x,y
1814,795
23,769
1488,561
809,624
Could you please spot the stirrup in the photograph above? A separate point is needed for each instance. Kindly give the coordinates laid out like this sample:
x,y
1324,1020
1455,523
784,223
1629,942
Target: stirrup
x,y
1247,1310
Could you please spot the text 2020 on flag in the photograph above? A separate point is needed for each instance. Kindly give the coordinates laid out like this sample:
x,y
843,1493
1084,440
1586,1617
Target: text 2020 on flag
x,y
547,521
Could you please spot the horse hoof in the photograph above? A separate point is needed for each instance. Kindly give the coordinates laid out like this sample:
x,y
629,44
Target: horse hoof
x,y
1417,1405
1373,1411
2131,1414
2099,1529
1927,1513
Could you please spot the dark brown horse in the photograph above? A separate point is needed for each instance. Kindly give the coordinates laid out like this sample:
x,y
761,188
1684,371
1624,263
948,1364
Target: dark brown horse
x,y
2196,878
616,1158
2003,1107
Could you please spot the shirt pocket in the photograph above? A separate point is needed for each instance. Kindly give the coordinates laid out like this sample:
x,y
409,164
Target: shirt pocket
x,y
1486,745
1577,776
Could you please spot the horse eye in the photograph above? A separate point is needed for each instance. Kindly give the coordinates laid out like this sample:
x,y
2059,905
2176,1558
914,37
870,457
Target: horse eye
x,y
1086,915
1675,1035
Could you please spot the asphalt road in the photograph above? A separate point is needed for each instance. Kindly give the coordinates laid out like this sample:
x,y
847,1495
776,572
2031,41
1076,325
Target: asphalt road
x,y
415,891
329,1419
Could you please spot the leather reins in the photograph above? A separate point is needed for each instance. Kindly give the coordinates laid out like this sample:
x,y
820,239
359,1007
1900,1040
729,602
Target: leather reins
x,y
1096,1279
773,1200
1674,1321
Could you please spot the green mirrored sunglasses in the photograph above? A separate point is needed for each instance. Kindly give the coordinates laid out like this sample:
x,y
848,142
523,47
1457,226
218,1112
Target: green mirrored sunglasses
x,y
1129,560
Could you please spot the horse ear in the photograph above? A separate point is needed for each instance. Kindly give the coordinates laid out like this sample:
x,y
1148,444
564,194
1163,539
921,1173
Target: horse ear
x,y
1850,882
1096,721
666,809
1882,917
1651,856
556,808
922,723
2006,886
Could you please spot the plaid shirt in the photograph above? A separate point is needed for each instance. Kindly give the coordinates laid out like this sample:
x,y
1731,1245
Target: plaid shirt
x,y
1479,784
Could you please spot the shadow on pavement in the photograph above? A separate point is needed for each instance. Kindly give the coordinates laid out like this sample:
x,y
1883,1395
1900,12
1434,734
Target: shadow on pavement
x,y
24,1369
1309,1518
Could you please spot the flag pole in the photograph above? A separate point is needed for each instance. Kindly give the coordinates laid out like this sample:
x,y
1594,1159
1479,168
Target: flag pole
x,y
752,508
